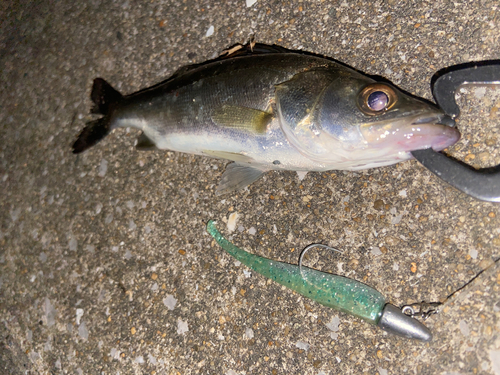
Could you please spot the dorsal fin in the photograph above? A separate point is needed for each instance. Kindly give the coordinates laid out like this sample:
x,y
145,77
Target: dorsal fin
x,y
236,50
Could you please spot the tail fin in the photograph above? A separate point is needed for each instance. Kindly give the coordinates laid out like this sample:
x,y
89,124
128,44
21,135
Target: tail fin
x,y
103,96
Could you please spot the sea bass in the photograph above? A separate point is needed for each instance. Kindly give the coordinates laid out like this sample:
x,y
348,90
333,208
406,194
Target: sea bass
x,y
273,109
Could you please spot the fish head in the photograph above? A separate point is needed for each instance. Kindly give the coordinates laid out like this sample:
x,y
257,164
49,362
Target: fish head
x,y
356,122
392,120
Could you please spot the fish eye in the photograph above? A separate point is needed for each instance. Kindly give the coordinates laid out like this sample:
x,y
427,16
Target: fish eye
x,y
376,98
377,101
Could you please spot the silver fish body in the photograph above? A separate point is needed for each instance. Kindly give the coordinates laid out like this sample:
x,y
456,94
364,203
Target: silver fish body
x,y
274,111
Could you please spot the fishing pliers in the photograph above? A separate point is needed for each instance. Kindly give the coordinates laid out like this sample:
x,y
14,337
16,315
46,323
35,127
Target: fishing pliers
x,y
483,184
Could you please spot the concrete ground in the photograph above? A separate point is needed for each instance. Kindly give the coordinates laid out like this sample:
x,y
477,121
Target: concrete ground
x,y
105,265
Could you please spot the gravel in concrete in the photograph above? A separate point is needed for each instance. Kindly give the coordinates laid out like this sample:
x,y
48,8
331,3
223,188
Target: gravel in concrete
x,y
105,266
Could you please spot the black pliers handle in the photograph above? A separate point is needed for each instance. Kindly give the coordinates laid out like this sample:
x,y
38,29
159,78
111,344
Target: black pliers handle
x,y
481,184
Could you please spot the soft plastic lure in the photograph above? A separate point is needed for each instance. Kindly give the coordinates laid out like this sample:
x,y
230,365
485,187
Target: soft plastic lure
x,y
338,292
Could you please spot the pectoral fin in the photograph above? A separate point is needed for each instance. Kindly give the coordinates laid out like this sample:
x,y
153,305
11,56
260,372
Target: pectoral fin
x,y
237,176
144,143
248,119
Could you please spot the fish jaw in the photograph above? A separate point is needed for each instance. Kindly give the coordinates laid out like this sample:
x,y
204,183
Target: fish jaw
x,y
406,135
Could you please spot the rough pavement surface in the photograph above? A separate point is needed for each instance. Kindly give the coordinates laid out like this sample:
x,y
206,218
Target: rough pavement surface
x,y
105,265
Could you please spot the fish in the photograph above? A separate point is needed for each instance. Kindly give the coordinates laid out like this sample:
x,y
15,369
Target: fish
x,y
338,292
268,108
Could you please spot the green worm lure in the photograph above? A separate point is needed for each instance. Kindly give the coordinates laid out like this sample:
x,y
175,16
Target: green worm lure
x,y
338,292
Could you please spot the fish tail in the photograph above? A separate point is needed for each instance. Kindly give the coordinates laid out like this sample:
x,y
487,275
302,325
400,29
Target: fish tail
x,y
105,98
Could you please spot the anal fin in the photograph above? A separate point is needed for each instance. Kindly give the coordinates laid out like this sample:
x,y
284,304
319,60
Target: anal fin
x,y
237,176
144,143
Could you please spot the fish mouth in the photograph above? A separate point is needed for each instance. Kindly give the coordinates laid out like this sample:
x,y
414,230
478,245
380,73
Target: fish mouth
x,y
440,119
434,131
